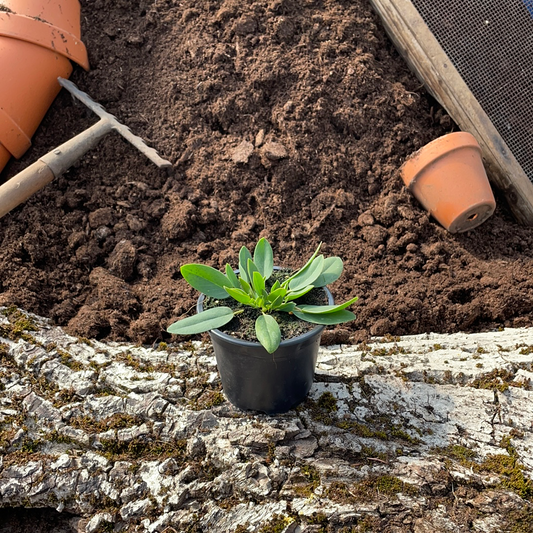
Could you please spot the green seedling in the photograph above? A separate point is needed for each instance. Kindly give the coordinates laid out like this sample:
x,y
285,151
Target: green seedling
x,y
249,287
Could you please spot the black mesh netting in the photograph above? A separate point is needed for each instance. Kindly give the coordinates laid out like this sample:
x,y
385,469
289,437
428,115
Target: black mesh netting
x,y
490,43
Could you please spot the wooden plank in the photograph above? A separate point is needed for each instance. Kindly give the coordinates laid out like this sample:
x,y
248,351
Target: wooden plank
x,y
430,63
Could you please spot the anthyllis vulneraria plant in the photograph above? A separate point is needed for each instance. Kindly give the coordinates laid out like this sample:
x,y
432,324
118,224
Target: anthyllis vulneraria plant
x,y
249,287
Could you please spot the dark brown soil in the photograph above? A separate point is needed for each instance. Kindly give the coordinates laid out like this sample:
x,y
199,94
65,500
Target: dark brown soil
x,y
222,89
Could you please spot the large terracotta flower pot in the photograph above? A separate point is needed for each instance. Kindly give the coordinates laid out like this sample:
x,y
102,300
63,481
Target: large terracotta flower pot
x,y
38,38
448,178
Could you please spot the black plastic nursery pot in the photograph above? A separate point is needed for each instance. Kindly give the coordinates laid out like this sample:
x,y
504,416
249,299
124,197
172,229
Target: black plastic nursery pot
x,y
273,383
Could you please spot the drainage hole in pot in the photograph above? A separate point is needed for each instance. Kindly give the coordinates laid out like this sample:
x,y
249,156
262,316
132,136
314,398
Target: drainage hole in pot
x,y
472,217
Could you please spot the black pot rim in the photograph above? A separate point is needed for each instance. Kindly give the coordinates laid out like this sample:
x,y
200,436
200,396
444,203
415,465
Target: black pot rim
x,y
287,342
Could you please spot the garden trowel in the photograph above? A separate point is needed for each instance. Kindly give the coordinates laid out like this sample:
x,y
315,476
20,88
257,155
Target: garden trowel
x,y
54,163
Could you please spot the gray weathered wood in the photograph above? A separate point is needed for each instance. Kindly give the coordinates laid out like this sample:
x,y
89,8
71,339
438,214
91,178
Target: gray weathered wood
x,y
406,430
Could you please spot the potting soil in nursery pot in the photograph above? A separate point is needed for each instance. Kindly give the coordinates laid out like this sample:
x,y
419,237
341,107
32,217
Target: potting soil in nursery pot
x,y
283,119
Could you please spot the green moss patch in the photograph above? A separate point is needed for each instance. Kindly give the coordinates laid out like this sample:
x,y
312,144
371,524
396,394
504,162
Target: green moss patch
x,y
362,430
208,399
384,485
117,421
370,489
66,359
278,524
387,352
520,521
323,409
506,466
5,358
461,454
509,469
19,325
499,379
146,449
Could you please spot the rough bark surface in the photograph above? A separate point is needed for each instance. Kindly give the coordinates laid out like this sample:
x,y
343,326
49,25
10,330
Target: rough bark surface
x,y
414,434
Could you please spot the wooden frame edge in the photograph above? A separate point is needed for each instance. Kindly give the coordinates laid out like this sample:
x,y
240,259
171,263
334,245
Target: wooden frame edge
x,y
430,63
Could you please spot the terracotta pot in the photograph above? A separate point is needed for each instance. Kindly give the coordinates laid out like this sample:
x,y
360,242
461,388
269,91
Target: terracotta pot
x,y
448,178
38,38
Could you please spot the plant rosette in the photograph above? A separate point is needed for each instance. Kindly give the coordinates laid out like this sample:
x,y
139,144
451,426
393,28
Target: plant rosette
x,y
271,375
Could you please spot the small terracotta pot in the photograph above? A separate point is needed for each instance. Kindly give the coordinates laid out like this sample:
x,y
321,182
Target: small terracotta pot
x,y
38,39
448,178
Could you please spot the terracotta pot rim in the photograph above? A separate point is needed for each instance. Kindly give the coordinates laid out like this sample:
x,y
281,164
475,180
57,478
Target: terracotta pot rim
x,y
44,34
417,162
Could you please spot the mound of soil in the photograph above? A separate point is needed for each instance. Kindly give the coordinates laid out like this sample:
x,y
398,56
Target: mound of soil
x,y
284,119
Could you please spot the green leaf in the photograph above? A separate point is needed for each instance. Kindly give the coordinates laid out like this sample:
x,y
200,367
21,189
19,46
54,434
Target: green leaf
x,y
276,286
311,259
239,295
258,282
289,307
204,321
246,286
326,319
297,294
264,258
244,255
232,277
307,276
324,309
331,272
250,269
206,279
275,304
268,332
276,293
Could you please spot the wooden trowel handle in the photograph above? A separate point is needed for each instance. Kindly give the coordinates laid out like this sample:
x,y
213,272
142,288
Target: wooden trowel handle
x,y
50,166
23,185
